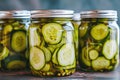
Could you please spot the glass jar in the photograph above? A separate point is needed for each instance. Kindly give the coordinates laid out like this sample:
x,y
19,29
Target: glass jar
x,y
76,23
51,43
13,39
98,40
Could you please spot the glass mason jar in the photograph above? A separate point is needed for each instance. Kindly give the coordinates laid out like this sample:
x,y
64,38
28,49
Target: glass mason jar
x,y
13,39
98,40
76,23
51,43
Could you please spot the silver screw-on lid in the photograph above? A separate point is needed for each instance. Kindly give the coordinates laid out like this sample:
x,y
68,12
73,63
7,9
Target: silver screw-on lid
x,y
15,14
99,14
5,14
51,13
20,13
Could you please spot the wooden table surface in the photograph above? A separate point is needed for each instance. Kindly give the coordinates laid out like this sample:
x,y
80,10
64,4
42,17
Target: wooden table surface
x,y
26,75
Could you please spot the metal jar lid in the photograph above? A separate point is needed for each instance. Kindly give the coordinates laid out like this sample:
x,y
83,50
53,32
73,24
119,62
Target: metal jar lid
x,y
5,14
99,14
15,14
51,13
20,13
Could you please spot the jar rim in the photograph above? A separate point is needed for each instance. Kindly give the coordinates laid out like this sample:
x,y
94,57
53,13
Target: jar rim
x,y
15,14
99,14
52,13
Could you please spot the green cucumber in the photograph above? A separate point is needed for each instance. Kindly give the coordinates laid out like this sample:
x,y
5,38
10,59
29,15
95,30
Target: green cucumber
x,y
52,33
34,37
54,57
16,24
46,67
117,60
47,54
109,49
99,32
83,29
100,63
14,62
93,54
53,47
4,53
65,67
85,57
69,37
66,55
37,58
18,40
7,28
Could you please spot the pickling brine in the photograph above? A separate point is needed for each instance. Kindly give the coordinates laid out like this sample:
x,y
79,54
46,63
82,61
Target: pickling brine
x,y
51,43
98,41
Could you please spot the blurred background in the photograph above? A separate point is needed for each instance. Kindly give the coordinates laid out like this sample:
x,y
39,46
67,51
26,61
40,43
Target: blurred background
x,y
76,5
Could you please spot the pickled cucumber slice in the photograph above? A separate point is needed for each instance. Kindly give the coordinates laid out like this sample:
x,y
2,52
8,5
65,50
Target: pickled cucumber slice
x,y
93,54
54,57
34,37
7,28
100,63
83,29
109,49
46,67
4,53
37,58
52,33
99,32
66,67
47,54
66,55
18,40
85,57
14,62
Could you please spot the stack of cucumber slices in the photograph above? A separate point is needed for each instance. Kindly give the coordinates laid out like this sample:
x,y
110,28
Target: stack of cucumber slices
x,y
50,50
13,45
101,49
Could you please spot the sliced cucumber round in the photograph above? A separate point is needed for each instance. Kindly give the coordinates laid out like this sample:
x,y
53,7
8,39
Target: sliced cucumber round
x,y
85,57
66,55
37,58
18,40
7,28
109,49
54,56
66,67
14,62
34,37
93,54
47,54
99,32
52,33
100,63
46,67
4,53
83,29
